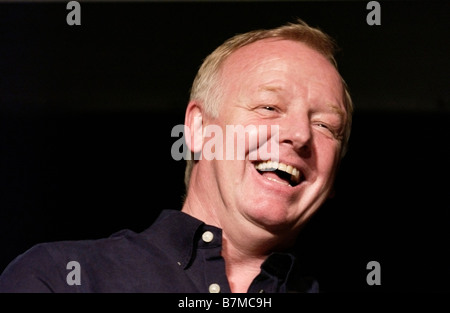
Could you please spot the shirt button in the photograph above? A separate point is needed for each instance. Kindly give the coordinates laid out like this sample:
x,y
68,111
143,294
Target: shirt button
x,y
214,288
207,236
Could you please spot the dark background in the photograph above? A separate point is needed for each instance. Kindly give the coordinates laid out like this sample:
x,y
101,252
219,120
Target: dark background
x,y
86,114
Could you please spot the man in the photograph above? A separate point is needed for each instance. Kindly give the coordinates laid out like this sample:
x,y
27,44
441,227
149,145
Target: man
x,y
241,215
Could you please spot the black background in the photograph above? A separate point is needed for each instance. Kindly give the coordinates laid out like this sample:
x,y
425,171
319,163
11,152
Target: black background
x,y
86,114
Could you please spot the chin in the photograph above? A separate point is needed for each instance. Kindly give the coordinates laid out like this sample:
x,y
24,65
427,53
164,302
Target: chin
x,y
272,218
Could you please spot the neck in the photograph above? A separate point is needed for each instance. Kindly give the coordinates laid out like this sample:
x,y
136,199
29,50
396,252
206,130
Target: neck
x,y
242,264
245,245
243,258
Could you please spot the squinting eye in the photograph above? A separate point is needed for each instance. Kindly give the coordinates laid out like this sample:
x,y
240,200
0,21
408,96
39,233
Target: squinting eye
x,y
322,125
269,108
330,130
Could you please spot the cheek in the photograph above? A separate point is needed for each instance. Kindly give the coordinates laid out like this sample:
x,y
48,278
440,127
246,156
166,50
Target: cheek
x,y
253,138
327,155
245,133
241,141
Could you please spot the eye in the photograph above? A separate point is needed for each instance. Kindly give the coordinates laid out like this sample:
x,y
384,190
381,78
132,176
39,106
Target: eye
x,y
269,108
322,125
326,129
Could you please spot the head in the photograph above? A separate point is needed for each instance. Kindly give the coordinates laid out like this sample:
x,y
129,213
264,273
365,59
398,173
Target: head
x,y
287,77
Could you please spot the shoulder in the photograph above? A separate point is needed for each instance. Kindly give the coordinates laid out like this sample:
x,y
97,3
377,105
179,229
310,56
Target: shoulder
x,y
45,266
30,272
126,261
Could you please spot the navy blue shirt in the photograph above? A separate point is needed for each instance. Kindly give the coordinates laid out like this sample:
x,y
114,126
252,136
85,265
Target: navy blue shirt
x,y
176,254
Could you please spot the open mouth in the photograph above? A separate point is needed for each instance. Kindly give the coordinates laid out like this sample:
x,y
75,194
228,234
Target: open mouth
x,y
280,172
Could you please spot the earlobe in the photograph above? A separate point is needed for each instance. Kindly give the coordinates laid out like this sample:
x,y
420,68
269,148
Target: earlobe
x,y
193,127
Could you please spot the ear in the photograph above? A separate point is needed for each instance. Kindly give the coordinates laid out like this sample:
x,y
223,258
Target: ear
x,y
193,127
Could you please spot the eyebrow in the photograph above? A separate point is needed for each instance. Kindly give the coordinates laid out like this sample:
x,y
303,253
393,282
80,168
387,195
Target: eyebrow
x,y
338,110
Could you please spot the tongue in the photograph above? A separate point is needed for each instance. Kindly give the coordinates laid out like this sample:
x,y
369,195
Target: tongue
x,y
274,176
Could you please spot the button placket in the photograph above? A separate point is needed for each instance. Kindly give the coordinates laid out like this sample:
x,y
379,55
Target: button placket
x,y
210,246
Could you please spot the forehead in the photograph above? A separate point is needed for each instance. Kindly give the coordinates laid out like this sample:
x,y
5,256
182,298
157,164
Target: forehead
x,y
275,50
284,62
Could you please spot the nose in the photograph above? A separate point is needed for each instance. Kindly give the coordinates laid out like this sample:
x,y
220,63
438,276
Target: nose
x,y
295,131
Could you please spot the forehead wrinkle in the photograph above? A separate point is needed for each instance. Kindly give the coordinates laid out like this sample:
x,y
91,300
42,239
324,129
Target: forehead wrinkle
x,y
270,88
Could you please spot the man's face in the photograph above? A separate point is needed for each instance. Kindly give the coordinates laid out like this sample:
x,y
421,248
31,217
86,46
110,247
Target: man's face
x,y
284,83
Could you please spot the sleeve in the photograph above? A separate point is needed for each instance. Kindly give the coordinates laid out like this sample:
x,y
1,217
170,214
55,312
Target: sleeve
x,y
34,271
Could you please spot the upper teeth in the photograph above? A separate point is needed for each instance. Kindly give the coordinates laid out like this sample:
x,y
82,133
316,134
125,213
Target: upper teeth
x,y
273,165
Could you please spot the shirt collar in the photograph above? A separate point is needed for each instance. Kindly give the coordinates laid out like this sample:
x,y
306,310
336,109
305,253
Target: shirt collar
x,y
278,264
183,232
